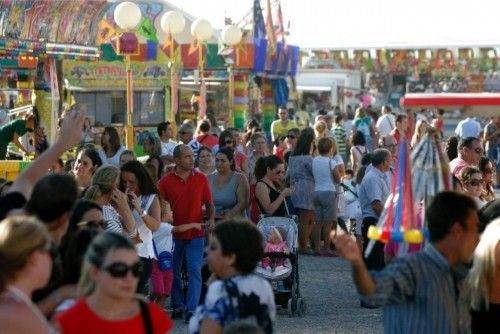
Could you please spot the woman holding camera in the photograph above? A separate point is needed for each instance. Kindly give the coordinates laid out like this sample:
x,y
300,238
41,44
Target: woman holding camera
x,y
144,201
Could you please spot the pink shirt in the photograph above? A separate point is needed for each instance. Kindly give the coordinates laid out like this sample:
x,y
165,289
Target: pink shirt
x,y
456,166
279,247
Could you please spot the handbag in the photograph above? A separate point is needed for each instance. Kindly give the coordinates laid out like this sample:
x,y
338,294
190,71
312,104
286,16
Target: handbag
x,y
165,259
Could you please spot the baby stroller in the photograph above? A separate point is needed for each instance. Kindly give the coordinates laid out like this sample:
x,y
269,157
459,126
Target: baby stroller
x,y
285,281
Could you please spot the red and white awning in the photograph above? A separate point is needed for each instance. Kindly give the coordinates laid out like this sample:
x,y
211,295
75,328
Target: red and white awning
x,y
477,104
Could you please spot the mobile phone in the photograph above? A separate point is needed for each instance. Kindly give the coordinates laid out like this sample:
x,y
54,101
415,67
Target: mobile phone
x,y
130,201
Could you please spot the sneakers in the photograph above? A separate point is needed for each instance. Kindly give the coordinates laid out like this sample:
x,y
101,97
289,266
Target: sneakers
x,y
188,316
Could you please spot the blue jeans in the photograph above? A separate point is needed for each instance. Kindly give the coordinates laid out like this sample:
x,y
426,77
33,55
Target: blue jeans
x,y
193,249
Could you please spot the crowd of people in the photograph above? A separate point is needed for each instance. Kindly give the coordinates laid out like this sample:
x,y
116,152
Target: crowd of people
x,y
80,240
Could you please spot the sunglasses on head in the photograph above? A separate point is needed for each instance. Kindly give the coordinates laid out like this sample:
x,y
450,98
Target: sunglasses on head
x,y
475,182
120,269
93,224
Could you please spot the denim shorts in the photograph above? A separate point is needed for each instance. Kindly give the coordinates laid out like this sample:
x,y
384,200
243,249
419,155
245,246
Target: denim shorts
x,y
325,206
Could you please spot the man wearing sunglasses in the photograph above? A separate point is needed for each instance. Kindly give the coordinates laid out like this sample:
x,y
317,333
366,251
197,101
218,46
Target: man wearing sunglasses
x,y
470,151
186,136
281,126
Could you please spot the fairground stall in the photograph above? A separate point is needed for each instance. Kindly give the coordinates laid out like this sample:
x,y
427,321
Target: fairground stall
x,y
35,37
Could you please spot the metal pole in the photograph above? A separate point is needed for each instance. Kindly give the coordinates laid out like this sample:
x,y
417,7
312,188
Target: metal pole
x,y
129,134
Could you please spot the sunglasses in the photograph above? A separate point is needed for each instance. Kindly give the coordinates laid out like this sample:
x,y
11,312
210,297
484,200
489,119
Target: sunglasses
x,y
475,182
488,171
120,269
478,150
291,137
182,133
94,224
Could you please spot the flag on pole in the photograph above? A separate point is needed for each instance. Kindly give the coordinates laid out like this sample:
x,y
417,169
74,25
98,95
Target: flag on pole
x,y
147,29
271,36
259,28
280,27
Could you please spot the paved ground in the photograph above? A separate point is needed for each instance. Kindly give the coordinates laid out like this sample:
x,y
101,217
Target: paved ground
x,y
331,299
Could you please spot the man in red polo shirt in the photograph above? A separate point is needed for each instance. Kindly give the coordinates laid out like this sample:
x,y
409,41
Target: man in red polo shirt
x,y
187,190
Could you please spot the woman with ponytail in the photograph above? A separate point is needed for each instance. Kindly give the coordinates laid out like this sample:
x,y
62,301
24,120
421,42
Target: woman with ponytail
x,y
269,172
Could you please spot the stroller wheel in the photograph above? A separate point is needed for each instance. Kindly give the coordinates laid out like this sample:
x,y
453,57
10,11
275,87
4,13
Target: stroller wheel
x,y
301,307
292,307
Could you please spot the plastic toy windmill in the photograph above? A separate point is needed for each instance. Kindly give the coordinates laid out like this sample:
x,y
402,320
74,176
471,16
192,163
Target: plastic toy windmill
x,y
430,169
398,220
429,172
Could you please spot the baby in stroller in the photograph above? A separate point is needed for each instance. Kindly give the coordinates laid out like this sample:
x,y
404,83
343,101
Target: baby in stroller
x,y
275,243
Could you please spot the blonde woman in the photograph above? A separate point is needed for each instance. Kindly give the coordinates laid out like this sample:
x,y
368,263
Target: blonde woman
x,y
25,266
320,129
115,207
484,280
420,131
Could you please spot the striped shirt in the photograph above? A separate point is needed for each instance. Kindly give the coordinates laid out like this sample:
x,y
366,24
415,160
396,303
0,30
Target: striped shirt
x,y
422,294
113,220
339,134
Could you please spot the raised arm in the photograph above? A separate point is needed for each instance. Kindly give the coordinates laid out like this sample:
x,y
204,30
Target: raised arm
x,y
71,134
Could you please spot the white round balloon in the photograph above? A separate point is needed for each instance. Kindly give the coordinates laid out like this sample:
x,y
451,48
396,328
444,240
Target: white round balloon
x,y
172,22
231,35
201,29
127,15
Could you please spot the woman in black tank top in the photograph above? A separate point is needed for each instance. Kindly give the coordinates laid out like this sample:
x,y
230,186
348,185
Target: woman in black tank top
x,y
268,171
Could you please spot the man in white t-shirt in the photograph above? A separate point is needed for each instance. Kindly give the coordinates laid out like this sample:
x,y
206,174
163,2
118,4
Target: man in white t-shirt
x,y
386,122
167,144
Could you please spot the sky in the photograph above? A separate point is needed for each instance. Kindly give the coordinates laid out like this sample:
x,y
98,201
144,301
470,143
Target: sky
x,y
370,23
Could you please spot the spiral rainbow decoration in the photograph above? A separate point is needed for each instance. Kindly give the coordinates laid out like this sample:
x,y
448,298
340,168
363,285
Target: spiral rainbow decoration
x,y
267,104
240,100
